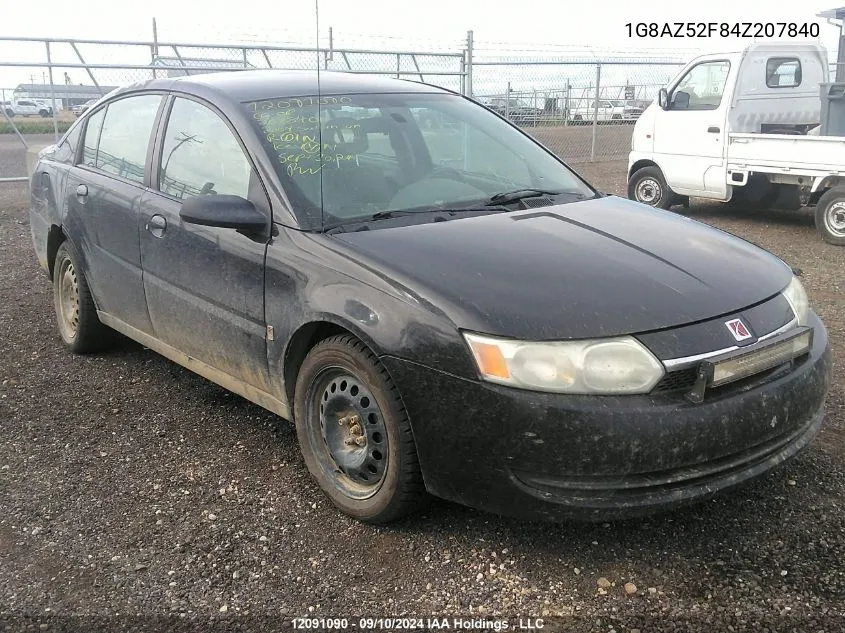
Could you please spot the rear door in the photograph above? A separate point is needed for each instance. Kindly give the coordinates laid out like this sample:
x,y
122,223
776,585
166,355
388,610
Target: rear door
x,y
204,285
102,198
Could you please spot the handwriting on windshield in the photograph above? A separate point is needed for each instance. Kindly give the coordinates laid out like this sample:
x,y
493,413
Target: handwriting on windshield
x,y
292,127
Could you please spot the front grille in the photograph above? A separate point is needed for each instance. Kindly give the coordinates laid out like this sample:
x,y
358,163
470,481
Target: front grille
x,y
682,379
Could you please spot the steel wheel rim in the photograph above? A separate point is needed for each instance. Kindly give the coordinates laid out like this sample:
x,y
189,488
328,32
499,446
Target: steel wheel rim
x,y
68,291
834,219
347,433
649,191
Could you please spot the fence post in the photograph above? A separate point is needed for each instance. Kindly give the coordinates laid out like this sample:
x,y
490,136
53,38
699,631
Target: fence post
x,y
566,102
52,94
469,64
508,103
154,48
595,113
535,108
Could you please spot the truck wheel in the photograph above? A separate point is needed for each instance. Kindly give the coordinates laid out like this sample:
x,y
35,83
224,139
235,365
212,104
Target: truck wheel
x,y
43,113
830,217
647,185
79,326
10,113
355,434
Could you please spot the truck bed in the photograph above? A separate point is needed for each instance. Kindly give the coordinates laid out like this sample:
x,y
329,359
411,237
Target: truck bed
x,y
786,154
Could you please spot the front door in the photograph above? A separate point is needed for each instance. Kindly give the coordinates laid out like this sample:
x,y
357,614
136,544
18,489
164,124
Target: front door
x,y
102,198
204,285
689,136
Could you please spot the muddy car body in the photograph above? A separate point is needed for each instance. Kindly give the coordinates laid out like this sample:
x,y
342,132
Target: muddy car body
x,y
479,324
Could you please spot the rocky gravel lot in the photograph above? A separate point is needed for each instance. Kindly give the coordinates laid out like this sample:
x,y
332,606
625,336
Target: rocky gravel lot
x,y
137,496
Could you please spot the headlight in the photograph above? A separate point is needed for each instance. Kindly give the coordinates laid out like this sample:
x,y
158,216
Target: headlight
x,y
604,366
797,297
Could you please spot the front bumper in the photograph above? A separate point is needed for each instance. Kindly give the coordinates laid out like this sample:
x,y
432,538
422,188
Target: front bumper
x,y
548,456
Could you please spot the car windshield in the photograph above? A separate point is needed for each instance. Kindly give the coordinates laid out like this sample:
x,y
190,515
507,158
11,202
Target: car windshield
x,y
347,158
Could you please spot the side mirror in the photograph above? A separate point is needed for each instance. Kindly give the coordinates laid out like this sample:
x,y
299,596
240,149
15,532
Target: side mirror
x,y
225,212
663,99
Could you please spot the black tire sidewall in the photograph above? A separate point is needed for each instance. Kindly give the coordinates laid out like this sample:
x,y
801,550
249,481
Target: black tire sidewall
x,y
350,358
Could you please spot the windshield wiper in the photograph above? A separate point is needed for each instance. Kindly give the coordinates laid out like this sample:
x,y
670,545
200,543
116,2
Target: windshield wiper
x,y
441,214
507,197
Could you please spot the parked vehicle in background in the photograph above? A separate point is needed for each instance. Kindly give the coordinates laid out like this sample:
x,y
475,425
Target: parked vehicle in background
x,y
733,127
514,110
81,108
48,103
603,111
447,308
27,107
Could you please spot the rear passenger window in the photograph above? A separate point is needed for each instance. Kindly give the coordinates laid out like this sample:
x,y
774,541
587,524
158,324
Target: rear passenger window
x,y
126,135
92,138
783,72
200,155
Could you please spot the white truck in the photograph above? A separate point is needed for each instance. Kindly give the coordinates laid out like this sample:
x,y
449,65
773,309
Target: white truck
x,y
734,127
27,107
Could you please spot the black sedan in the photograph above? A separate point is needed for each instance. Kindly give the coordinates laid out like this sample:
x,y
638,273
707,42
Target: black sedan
x,y
443,309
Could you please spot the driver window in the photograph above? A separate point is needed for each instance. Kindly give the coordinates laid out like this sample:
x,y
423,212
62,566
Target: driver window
x,y
200,155
702,87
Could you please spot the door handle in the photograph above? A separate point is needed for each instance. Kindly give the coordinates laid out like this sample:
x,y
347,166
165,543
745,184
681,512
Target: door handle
x,y
157,225
82,191
713,129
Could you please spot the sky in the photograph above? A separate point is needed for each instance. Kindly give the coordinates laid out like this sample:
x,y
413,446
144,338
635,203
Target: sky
x,y
564,27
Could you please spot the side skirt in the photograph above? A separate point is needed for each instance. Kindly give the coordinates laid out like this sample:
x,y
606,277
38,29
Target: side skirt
x,y
227,381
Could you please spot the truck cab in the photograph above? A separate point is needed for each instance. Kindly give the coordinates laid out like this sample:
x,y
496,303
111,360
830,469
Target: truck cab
x,y
768,88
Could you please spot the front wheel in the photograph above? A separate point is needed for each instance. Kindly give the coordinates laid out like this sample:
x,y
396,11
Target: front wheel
x,y
647,185
830,217
355,434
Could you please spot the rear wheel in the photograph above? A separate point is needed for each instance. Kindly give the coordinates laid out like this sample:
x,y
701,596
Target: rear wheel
x,y
43,113
647,185
830,217
79,326
355,434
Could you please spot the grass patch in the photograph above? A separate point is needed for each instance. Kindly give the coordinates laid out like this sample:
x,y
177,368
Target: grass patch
x,y
34,127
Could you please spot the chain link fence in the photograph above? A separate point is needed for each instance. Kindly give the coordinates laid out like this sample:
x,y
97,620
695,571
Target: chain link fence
x,y
580,105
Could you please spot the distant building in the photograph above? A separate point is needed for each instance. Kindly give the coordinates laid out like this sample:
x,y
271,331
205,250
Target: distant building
x,y
173,65
66,95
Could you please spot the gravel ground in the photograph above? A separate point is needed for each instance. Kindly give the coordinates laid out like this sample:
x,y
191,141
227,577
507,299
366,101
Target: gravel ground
x,y
137,496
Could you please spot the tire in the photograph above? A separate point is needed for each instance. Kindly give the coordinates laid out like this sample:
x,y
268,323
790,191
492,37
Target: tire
x,y
342,385
76,315
648,186
830,217
10,113
44,113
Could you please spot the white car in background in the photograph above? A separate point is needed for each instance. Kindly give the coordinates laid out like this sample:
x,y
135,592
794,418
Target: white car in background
x,y
608,110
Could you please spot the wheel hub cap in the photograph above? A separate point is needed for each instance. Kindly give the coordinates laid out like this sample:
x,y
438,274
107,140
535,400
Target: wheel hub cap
x,y
835,219
648,191
69,300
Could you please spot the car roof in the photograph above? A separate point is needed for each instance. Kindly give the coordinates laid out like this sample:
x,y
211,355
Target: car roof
x,y
256,85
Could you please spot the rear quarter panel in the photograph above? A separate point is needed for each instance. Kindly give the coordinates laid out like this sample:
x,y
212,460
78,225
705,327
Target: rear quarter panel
x,y
46,186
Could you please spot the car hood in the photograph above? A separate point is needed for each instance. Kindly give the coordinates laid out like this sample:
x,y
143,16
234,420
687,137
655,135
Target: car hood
x,y
600,267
